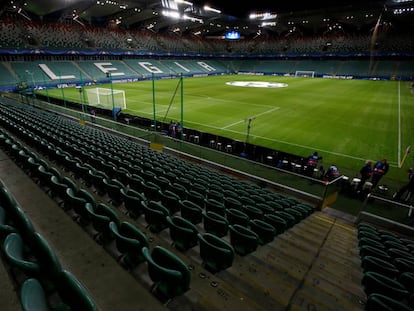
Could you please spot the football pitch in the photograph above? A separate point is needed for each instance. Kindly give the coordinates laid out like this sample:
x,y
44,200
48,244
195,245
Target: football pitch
x,y
346,121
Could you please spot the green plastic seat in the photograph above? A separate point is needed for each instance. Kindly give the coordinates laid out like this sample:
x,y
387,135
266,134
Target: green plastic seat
x,y
182,232
33,296
376,283
169,273
191,211
369,242
216,253
132,202
113,189
5,227
265,231
129,241
407,279
170,200
235,216
77,203
379,302
215,224
366,250
231,202
277,222
73,293
213,205
397,253
290,219
253,212
404,264
196,197
101,216
150,190
17,256
374,264
155,215
243,240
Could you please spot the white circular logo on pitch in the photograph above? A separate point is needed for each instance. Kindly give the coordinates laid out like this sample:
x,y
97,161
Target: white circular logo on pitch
x,y
257,84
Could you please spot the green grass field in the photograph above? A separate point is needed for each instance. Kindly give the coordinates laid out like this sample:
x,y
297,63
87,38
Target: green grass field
x,y
346,121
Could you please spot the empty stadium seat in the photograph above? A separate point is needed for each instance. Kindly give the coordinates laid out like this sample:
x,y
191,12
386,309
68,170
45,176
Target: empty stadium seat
x,y
73,293
191,211
101,215
215,224
129,241
217,254
376,283
155,215
132,202
243,240
265,231
17,255
182,232
235,216
169,273
33,296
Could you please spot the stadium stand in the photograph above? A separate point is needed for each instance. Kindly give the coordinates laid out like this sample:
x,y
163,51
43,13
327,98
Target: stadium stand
x,y
91,218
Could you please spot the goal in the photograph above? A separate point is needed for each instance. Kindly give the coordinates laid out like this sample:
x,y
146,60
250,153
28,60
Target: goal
x,y
305,74
106,98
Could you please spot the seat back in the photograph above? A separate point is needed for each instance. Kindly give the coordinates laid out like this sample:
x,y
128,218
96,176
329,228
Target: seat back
x,y
182,232
191,211
170,274
243,239
73,293
215,223
49,263
234,216
155,215
14,250
216,253
33,296
266,232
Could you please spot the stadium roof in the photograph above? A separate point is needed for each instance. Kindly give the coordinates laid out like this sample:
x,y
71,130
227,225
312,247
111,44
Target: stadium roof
x,y
212,18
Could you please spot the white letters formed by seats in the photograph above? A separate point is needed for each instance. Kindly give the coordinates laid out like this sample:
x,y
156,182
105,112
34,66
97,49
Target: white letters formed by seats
x,y
206,66
52,75
112,70
150,67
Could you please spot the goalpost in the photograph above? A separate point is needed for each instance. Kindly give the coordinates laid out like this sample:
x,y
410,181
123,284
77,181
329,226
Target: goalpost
x,y
305,74
106,98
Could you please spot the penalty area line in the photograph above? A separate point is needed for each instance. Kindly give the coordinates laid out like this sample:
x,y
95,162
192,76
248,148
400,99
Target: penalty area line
x,y
255,116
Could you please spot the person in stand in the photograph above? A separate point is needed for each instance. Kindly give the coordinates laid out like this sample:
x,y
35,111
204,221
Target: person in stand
x,y
409,187
331,173
366,173
380,169
179,130
93,115
312,163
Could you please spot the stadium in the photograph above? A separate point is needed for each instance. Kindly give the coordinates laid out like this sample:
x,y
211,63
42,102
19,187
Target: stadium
x,y
191,155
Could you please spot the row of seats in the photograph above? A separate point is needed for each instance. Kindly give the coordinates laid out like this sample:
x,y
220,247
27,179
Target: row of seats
x,y
34,264
76,37
249,226
131,243
387,260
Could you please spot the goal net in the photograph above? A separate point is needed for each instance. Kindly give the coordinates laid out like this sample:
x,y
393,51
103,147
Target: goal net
x,y
305,74
106,98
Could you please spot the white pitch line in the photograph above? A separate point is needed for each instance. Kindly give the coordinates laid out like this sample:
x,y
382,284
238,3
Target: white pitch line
x,y
258,115
282,142
145,112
